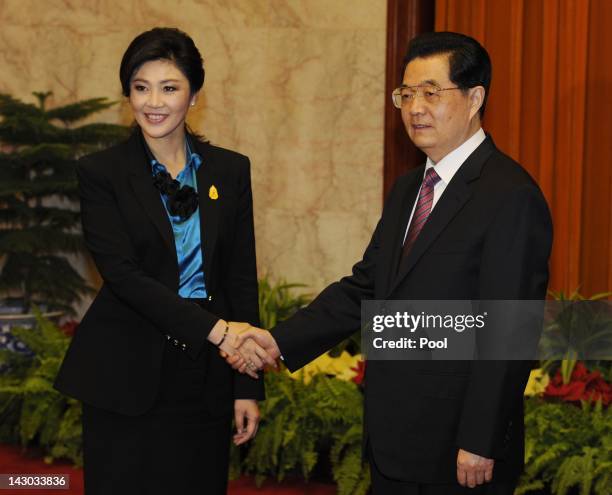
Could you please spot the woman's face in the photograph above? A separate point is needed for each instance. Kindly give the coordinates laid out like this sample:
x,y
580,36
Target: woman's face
x,y
160,97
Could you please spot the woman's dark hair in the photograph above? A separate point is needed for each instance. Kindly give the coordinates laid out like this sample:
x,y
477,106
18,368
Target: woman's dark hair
x,y
469,62
163,44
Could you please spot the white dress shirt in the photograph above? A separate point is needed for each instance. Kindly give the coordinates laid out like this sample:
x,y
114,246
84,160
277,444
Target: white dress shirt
x,y
447,168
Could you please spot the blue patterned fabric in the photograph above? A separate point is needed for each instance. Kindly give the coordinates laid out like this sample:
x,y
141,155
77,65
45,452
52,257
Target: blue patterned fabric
x,y
187,232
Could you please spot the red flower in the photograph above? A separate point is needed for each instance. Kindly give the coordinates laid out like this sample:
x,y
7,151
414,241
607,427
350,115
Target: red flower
x,y
570,392
582,386
69,327
360,370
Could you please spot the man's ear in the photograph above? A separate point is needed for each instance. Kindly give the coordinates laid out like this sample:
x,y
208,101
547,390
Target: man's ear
x,y
476,96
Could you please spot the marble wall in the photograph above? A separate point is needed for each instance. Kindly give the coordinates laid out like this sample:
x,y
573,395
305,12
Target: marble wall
x,y
297,85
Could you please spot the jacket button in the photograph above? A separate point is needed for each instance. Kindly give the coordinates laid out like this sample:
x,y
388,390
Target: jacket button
x,y
184,347
210,298
168,337
175,342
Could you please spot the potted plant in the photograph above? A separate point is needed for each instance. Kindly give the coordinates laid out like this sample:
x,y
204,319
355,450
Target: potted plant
x,y
39,216
578,328
32,413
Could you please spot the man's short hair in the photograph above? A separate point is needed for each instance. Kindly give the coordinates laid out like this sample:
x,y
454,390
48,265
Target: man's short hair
x,y
468,61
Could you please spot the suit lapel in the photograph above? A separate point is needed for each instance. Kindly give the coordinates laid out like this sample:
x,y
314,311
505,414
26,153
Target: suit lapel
x,y
209,204
146,193
455,196
151,201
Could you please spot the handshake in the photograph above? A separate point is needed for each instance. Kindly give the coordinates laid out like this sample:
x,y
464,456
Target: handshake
x,y
245,348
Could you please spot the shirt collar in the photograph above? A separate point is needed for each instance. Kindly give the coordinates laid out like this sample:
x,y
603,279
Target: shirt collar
x,y
193,159
448,166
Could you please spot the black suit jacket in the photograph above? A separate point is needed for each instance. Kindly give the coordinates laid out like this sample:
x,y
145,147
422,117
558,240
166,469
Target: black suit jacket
x,y
115,356
488,237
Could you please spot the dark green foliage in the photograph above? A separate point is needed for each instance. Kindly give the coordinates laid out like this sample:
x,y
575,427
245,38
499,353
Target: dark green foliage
x,y
567,447
581,329
277,302
298,418
32,412
39,218
352,345
350,472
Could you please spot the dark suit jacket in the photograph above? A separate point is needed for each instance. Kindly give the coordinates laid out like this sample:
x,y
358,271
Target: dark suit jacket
x,y
488,237
115,356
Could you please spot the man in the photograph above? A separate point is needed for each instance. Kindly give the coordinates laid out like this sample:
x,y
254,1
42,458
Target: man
x,y
470,224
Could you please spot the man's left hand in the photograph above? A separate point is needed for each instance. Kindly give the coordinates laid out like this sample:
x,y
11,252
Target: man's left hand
x,y
472,469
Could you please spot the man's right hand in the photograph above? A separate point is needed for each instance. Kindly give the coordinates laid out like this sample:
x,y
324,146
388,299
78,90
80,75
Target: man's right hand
x,y
247,357
258,338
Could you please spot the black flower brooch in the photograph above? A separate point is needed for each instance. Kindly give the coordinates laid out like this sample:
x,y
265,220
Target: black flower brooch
x,y
182,200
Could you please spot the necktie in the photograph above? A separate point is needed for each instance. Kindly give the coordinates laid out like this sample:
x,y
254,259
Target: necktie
x,y
422,210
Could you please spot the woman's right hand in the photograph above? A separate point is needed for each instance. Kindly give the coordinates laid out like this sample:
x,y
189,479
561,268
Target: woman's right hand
x,y
250,357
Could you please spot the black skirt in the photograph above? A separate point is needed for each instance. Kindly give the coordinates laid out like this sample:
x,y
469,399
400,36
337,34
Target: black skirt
x,y
176,447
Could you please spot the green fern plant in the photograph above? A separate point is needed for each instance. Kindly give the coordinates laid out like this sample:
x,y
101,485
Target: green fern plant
x,y
349,470
297,419
567,448
31,410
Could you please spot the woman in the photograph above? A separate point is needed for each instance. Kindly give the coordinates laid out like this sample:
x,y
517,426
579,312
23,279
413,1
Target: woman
x,y
169,222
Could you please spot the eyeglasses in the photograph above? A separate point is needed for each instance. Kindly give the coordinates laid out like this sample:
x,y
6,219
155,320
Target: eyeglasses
x,y
404,94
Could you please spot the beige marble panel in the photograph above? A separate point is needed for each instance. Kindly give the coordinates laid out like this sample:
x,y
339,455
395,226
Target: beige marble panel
x,y
297,85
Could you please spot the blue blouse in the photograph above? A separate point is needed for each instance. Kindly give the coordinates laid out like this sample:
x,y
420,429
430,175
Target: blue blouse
x,y
187,233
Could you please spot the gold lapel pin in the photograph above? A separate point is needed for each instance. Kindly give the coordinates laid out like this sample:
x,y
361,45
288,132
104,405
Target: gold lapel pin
x,y
212,193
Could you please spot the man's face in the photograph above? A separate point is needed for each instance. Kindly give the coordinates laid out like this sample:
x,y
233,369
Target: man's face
x,y
437,128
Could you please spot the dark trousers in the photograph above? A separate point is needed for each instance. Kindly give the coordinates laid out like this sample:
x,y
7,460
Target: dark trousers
x,y
176,447
385,486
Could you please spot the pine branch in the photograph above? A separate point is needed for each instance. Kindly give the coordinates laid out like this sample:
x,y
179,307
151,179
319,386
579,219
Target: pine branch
x,y
97,134
21,131
48,280
19,214
42,96
45,152
24,130
43,186
79,110
37,164
10,107
39,240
